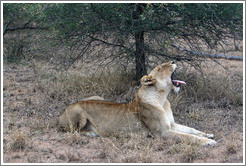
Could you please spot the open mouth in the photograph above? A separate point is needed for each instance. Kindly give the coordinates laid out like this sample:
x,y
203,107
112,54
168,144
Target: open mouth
x,y
176,82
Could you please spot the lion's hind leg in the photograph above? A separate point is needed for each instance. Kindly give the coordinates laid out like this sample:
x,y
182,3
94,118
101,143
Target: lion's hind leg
x,y
77,122
73,118
82,124
89,130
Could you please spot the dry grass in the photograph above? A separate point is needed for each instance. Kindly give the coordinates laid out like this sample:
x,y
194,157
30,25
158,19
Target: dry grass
x,y
104,83
18,140
33,96
219,86
233,145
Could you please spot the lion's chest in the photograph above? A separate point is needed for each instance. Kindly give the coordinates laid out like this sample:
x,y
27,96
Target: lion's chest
x,y
154,98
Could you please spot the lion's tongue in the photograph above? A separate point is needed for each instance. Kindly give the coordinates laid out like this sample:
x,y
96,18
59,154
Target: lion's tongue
x,y
177,82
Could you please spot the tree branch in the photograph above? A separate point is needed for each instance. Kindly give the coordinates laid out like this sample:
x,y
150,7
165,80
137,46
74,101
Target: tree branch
x,y
177,57
22,28
110,44
206,55
6,28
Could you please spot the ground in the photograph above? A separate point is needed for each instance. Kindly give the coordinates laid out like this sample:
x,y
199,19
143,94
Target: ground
x,y
32,97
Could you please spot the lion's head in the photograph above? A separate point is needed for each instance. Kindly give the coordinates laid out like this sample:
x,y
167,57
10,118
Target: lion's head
x,y
162,77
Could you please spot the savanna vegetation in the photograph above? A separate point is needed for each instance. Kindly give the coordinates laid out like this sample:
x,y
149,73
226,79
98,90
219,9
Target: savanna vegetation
x,y
56,54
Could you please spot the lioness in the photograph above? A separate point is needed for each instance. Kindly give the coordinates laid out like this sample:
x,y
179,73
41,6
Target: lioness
x,y
149,112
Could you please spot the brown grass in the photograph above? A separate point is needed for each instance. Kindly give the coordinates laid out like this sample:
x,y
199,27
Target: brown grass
x,y
18,140
211,101
222,87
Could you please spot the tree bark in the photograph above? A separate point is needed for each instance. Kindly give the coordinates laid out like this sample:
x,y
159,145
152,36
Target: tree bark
x,y
140,56
139,42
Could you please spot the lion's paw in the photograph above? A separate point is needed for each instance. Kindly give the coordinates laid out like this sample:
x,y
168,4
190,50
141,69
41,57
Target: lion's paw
x,y
148,80
209,142
211,136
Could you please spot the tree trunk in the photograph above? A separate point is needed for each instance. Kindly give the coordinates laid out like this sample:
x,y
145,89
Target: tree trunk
x,y
139,40
140,56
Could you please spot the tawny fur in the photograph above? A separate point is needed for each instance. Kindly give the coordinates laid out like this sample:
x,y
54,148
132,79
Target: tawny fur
x,y
149,113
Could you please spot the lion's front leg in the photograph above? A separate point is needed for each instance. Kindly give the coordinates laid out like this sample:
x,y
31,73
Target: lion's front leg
x,y
180,136
189,130
182,133
182,128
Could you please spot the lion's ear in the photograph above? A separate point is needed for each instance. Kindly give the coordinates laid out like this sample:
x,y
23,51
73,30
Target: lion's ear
x,y
148,80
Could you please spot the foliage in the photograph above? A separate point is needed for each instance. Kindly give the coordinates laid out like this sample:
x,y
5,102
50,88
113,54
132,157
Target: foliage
x,y
107,19
20,18
138,29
